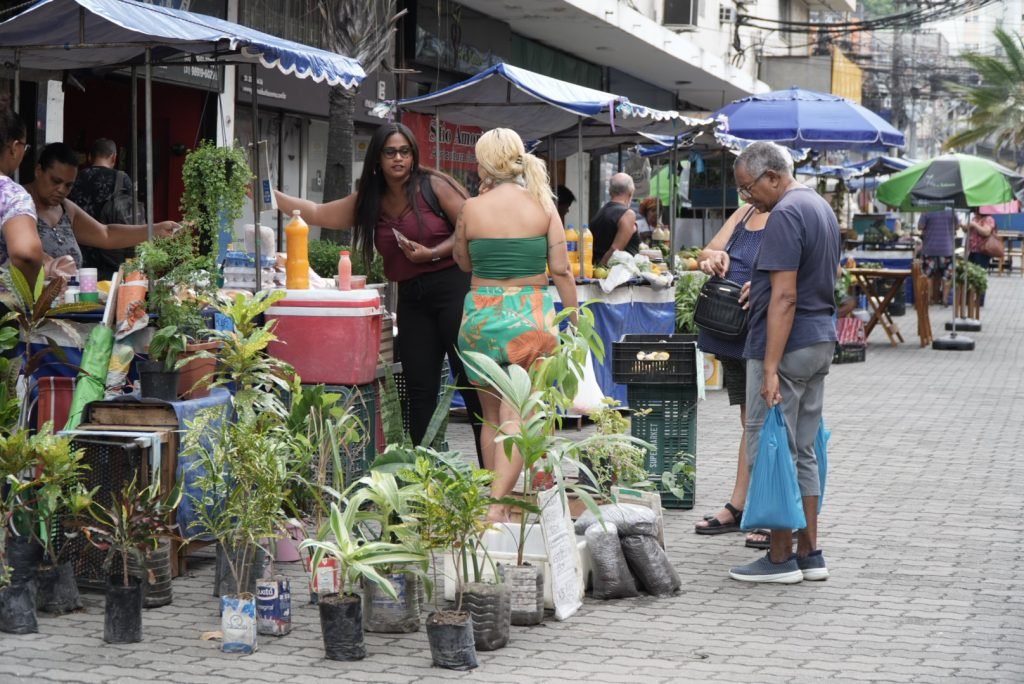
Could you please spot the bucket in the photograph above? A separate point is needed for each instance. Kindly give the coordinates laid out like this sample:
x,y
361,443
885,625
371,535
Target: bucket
x,y
156,383
55,395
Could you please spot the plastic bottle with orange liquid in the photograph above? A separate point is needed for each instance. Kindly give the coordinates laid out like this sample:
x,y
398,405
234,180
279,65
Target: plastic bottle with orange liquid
x,y
297,264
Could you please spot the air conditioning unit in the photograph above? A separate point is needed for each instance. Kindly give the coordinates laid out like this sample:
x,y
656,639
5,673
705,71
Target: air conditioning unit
x,y
680,15
726,15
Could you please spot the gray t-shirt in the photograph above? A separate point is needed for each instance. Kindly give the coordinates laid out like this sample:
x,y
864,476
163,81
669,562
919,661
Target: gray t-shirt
x,y
801,235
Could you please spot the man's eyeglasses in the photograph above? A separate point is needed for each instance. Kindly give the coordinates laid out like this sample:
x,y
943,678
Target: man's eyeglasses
x,y
744,190
24,144
392,152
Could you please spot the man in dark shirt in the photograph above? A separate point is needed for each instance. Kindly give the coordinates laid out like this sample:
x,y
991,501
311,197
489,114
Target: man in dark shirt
x,y
790,341
105,193
614,226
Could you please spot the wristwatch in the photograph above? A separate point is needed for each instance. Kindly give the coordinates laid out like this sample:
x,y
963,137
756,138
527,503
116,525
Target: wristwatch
x,y
433,254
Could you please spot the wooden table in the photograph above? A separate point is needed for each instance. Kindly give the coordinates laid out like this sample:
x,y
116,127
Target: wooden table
x,y
1010,237
868,279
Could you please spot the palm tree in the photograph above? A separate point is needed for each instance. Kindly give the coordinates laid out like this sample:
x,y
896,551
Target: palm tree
x,y
362,30
998,101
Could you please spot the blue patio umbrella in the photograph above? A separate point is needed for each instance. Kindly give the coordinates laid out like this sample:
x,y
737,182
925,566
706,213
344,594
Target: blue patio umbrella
x,y
803,118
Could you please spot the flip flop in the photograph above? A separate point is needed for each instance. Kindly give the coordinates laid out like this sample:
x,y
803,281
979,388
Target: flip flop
x,y
716,526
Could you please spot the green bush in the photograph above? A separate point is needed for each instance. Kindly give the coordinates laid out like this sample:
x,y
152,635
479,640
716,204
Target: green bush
x,y
323,259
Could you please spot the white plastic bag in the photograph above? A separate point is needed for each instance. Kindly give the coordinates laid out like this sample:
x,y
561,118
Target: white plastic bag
x,y
589,395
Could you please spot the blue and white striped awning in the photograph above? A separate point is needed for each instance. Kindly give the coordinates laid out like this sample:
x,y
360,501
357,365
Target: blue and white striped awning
x,y
58,35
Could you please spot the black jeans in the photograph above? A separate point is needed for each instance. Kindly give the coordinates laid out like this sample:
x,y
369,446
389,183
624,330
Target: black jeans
x,y
429,317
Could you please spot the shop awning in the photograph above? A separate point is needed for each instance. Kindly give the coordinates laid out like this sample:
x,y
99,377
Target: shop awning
x,y
538,106
58,35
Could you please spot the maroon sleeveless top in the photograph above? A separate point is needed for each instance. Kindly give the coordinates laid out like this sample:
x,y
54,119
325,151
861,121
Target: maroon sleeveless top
x,y
433,231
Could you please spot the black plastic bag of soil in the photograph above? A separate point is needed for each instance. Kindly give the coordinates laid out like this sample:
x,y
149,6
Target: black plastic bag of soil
x,y
612,578
18,608
57,590
651,566
629,519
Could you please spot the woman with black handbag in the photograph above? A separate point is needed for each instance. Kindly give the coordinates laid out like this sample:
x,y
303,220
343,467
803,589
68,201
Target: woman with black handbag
x,y
730,255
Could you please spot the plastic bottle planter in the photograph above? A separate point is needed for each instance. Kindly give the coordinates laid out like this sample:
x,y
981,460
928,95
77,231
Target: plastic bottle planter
x,y
490,606
341,621
18,608
274,606
526,586
122,612
382,614
451,640
238,623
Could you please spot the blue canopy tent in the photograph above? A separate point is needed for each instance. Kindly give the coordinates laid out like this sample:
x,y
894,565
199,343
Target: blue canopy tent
x,y
59,35
803,118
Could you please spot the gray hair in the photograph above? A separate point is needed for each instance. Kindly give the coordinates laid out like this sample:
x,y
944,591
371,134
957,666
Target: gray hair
x,y
765,156
620,184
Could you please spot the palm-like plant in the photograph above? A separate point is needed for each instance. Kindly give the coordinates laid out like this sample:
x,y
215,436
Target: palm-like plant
x,y
356,557
364,31
998,101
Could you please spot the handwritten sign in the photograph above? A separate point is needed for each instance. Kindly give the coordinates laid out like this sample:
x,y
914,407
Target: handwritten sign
x,y
563,554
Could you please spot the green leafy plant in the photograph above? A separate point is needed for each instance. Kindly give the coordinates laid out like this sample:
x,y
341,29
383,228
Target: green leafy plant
x,y
687,292
451,505
977,277
681,476
167,344
216,180
612,462
17,483
134,522
357,558
538,398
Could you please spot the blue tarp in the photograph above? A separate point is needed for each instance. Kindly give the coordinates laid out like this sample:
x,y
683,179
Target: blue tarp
x,y
803,118
97,33
537,106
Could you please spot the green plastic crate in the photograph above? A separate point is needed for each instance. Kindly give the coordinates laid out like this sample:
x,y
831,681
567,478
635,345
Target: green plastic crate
x,y
671,427
363,401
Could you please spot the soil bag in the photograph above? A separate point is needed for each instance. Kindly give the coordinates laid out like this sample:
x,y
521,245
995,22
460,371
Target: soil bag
x,y
122,613
18,608
773,497
341,621
612,578
58,592
629,519
651,566
451,640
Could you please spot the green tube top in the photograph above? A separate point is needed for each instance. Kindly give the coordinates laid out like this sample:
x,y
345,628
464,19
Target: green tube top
x,y
505,258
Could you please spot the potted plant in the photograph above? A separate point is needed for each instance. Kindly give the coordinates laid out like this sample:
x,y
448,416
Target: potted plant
x,y
384,508
215,183
612,462
134,522
159,374
538,397
341,614
18,557
687,293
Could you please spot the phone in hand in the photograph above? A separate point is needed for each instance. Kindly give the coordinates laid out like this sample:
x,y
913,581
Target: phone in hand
x,y
401,239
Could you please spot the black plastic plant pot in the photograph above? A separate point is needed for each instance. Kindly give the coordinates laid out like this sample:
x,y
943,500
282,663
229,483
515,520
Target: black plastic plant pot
x,y
122,613
341,621
157,383
24,555
58,592
18,608
490,606
382,614
450,635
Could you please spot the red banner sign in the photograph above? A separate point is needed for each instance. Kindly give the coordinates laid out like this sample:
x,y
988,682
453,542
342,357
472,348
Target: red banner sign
x,y
457,143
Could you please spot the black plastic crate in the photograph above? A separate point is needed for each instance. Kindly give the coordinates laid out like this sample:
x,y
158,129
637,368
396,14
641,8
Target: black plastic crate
x,y
655,360
362,399
849,353
111,465
670,427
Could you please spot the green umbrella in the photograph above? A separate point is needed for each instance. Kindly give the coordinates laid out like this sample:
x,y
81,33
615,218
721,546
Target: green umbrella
x,y
92,374
957,181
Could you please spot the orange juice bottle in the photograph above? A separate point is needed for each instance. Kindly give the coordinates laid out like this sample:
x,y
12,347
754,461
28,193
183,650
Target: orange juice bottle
x,y
297,265
588,252
572,247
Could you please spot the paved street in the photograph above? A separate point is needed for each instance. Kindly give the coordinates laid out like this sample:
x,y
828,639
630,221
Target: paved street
x,y
921,529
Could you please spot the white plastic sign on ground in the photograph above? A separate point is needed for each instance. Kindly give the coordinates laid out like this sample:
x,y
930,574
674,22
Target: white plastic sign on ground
x,y
563,556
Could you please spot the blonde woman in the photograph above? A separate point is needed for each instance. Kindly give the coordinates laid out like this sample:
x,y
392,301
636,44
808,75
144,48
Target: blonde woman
x,y
507,237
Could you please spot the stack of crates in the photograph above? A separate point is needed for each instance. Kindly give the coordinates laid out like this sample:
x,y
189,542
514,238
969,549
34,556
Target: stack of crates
x,y
660,374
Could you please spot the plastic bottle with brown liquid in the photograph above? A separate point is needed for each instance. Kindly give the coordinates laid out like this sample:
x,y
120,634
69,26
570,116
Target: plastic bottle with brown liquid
x,y
297,264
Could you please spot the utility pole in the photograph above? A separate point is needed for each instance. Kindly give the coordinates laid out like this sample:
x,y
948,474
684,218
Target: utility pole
x,y
896,85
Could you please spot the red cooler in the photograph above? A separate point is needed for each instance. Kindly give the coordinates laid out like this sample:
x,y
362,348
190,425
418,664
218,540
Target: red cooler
x,y
329,336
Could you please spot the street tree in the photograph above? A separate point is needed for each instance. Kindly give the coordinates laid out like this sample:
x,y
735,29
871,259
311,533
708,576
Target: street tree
x,y
998,100
364,31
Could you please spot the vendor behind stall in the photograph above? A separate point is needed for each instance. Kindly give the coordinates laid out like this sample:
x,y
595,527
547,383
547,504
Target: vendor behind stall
x,y
62,224
614,226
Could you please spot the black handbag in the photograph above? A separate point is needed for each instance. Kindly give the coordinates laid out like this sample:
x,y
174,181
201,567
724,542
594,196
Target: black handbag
x,y
718,311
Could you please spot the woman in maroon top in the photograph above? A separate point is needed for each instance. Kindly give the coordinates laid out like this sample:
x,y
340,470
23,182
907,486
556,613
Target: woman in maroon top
x,y
390,213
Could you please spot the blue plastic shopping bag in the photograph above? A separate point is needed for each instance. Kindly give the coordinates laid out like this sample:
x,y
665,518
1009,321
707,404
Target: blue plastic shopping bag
x,y
821,454
773,498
